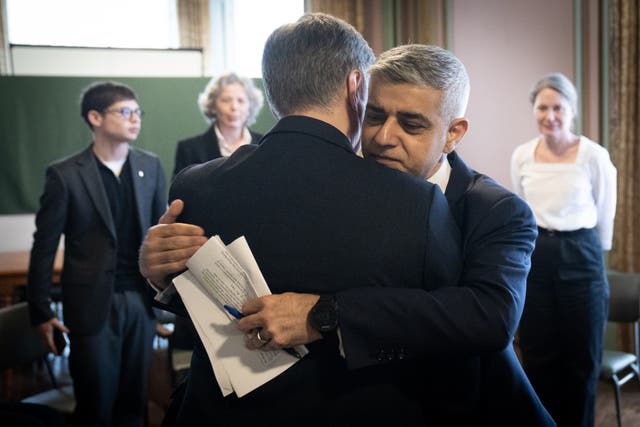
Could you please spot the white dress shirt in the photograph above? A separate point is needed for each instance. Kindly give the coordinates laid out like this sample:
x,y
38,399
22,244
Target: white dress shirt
x,y
441,177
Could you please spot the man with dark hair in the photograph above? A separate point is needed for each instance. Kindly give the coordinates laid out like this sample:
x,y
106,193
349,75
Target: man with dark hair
x,y
414,120
102,199
350,249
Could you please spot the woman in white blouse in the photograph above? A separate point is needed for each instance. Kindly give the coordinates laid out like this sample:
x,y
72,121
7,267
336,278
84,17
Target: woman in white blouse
x,y
570,184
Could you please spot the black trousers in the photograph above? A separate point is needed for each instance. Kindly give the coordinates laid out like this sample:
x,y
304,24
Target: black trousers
x,y
110,370
562,327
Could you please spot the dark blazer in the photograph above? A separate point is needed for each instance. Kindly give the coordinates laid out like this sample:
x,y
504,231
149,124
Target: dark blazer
x,y
74,203
319,219
201,148
498,236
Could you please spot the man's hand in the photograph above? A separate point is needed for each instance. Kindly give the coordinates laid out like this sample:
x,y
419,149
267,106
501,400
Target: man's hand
x,y
168,245
46,333
281,319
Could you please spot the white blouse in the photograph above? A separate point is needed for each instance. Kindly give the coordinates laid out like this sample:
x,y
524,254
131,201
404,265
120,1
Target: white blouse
x,y
568,196
223,145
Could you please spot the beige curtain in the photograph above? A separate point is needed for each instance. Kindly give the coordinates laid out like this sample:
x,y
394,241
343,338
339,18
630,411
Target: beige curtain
x,y
194,28
624,134
5,57
624,140
388,23
365,16
419,22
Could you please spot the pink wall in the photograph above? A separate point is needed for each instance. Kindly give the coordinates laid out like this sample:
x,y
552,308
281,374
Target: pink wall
x,y
506,46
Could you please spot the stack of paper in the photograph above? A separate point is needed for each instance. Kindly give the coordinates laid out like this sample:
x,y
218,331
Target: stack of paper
x,y
221,275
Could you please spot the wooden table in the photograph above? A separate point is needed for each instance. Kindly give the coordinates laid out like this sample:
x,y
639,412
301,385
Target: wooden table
x,y
14,269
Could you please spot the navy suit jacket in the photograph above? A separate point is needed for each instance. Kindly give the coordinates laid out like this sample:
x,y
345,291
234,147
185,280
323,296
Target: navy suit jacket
x,y
74,203
498,236
201,148
319,219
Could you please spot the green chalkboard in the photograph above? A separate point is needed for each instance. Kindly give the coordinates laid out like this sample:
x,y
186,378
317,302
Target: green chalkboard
x,y
40,122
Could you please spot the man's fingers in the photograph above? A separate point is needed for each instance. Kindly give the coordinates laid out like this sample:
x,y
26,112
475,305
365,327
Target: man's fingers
x,y
168,268
175,230
253,305
250,323
46,334
58,324
168,255
172,213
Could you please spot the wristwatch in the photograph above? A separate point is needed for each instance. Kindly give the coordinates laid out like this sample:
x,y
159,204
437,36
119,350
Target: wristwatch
x,y
324,314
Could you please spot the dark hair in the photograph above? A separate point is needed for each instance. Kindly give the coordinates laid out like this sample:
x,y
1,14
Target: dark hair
x,y
101,95
307,63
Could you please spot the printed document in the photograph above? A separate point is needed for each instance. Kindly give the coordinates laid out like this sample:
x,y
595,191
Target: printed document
x,y
221,275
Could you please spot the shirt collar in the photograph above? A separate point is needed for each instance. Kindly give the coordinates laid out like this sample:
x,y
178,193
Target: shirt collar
x,y
441,177
222,143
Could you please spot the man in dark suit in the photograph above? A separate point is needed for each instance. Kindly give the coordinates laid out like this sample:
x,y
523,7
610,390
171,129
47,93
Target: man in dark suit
x,y
414,120
417,101
102,199
339,231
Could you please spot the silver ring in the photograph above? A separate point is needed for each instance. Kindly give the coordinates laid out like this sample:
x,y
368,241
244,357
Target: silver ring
x,y
262,340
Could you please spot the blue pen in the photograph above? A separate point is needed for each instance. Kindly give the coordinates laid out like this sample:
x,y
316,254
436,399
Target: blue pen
x,y
238,315
234,312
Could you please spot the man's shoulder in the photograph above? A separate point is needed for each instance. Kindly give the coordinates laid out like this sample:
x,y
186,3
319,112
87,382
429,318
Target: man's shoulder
x,y
393,177
71,160
199,170
484,194
486,188
255,136
143,154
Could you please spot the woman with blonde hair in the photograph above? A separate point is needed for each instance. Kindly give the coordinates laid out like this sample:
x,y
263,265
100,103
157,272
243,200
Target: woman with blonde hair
x,y
230,103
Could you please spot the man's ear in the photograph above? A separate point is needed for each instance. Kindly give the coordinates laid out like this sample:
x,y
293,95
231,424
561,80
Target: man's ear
x,y
355,88
457,129
95,118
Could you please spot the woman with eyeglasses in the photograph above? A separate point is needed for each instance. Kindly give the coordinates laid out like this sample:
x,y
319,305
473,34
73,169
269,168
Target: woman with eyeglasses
x,y
570,184
230,103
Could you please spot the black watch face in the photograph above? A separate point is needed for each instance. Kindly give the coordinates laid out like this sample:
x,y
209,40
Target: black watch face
x,y
324,316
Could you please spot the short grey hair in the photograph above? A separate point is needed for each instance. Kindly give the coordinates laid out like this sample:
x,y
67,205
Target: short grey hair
x,y
431,66
561,84
208,98
307,63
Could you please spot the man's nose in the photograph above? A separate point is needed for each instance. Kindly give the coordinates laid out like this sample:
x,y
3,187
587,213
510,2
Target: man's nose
x,y
388,133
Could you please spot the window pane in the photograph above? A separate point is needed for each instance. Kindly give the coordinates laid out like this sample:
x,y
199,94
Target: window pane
x,y
253,22
94,23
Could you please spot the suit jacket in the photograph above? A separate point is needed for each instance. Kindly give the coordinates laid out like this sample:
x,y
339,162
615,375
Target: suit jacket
x,y
498,236
201,148
74,203
319,219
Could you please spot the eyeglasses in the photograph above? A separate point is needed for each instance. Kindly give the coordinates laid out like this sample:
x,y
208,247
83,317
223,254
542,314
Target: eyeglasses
x,y
126,112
